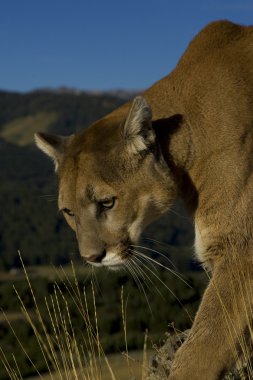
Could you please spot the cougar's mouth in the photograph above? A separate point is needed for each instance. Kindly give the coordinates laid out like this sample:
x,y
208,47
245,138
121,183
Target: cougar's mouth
x,y
115,260
113,257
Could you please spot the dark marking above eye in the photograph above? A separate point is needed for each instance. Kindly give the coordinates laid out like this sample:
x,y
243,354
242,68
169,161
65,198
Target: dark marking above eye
x,y
90,192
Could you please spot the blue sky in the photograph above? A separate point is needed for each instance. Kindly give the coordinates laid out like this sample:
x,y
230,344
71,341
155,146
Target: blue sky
x,y
100,45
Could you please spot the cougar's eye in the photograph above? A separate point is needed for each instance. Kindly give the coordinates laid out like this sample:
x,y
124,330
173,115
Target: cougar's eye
x,y
107,203
68,212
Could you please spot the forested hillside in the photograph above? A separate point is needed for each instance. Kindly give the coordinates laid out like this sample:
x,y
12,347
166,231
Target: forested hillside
x,y
29,219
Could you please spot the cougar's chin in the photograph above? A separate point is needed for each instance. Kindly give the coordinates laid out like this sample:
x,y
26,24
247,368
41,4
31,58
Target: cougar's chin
x,y
113,261
110,265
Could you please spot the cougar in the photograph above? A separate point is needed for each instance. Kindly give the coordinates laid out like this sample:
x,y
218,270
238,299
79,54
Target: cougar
x,y
190,135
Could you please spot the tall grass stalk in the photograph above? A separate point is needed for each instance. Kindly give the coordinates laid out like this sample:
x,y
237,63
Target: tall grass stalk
x,y
124,316
66,356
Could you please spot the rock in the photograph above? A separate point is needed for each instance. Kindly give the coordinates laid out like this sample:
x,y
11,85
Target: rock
x,y
160,363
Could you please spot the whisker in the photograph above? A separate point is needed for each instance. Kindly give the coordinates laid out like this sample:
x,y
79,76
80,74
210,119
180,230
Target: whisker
x,y
159,242
147,258
146,276
95,280
88,275
136,261
155,251
132,270
173,211
132,273
49,197
166,245
136,252
140,271
174,295
138,282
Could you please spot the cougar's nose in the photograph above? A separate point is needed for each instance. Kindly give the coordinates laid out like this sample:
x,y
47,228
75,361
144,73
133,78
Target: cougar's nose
x,y
96,258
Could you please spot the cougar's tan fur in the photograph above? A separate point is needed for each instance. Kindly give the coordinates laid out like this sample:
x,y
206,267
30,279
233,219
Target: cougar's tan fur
x,y
189,135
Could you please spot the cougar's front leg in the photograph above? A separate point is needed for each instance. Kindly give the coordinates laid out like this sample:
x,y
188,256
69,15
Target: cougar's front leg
x,y
219,324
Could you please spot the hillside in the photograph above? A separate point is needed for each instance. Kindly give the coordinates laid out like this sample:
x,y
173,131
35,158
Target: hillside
x,y
58,112
29,220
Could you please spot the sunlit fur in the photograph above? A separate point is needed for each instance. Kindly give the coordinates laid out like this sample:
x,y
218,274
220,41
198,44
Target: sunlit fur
x,y
190,134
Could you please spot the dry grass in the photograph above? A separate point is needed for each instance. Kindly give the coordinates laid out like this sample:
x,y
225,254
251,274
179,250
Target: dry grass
x,y
66,356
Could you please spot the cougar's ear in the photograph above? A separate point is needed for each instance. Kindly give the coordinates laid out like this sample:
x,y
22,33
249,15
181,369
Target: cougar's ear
x,y
138,132
52,145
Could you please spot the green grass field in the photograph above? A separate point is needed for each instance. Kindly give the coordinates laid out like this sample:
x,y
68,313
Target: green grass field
x,y
21,131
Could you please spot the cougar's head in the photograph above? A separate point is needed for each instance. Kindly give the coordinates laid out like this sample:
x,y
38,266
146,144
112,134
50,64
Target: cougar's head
x,y
113,182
